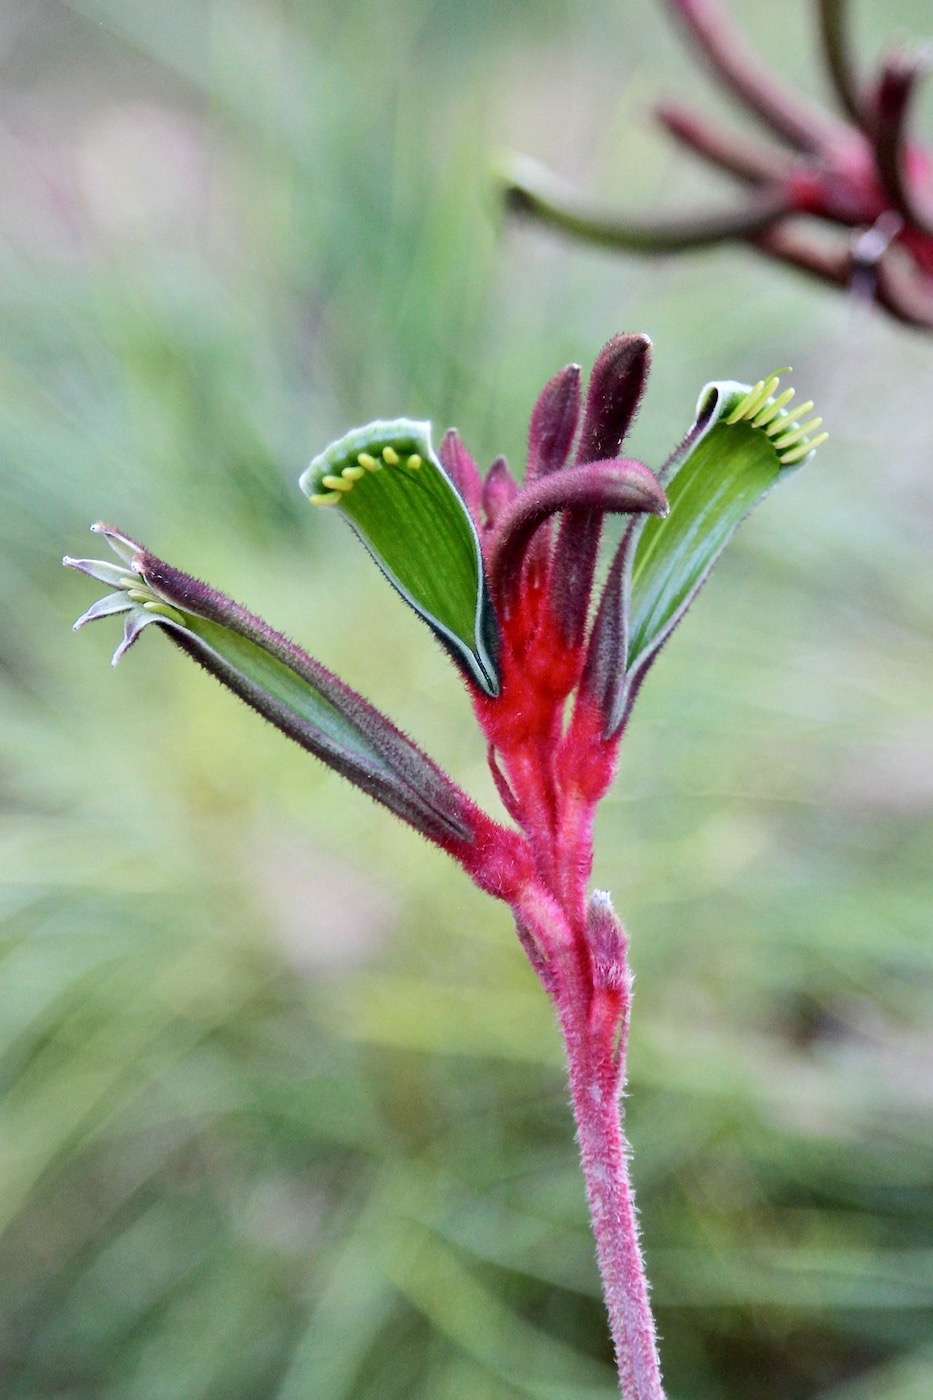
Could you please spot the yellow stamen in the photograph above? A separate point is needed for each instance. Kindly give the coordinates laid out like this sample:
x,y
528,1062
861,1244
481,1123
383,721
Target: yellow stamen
x,y
803,431
767,389
365,460
390,456
414,461
797,454
336,483
775,429
326,498
353,473
741,408
771,410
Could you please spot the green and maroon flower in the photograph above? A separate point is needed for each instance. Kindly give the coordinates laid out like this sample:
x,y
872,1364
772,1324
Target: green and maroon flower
x,y
504,575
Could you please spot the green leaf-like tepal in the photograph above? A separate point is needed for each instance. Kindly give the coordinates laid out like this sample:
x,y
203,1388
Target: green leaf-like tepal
x,y
744,440
386,480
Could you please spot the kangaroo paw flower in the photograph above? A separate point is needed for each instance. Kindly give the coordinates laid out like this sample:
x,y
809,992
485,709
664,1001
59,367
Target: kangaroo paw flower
x,y
503,574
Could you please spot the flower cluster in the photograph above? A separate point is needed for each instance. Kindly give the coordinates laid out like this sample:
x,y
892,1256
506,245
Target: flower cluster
x,y
860,172
504,575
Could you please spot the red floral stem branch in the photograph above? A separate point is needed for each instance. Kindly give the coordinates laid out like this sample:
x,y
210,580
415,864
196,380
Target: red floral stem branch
x,y
737,68
579,951
588,979
603,1153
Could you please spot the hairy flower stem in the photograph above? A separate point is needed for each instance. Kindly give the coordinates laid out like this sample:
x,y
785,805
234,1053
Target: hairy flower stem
x,y
604,1155
584,969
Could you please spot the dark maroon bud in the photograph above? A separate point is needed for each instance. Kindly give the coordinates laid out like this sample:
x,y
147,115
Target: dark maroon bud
x,y
604,668
895,93
554,424
572,572
616,387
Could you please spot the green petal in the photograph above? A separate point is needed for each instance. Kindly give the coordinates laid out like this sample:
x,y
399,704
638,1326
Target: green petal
x,y
396,495
744,440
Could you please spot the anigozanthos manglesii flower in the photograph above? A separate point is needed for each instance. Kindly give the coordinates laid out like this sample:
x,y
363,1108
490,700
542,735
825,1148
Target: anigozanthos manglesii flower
x,y
504,575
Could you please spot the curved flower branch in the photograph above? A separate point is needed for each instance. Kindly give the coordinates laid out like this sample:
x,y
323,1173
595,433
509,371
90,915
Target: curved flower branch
x,y
861,174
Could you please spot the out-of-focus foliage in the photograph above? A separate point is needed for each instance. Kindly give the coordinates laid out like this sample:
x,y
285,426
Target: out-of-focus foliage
x,y
283,1114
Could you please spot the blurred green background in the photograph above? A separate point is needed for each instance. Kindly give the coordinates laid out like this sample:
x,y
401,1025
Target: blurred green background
x,y
283,1113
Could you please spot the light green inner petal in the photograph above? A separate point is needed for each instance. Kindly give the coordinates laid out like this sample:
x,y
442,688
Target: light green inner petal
x,y
732,465
292,691
390,486
719,483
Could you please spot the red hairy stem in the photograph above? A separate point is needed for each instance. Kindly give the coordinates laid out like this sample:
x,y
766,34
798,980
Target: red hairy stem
x,y
579,953
587,978
604,1156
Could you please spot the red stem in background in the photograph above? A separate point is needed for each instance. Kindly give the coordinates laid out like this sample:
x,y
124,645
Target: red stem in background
x,y
777,106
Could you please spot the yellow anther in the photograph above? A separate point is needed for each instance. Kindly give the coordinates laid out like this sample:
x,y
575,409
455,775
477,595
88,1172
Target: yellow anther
x,y
139,595
797,454
789,439
763,395
336,483
775,429
326,498
390,456
771,410
352,473
742,407
365,460
414,461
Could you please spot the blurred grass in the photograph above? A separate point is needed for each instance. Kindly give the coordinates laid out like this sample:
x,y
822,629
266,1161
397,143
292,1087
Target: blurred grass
x,y
283,1111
